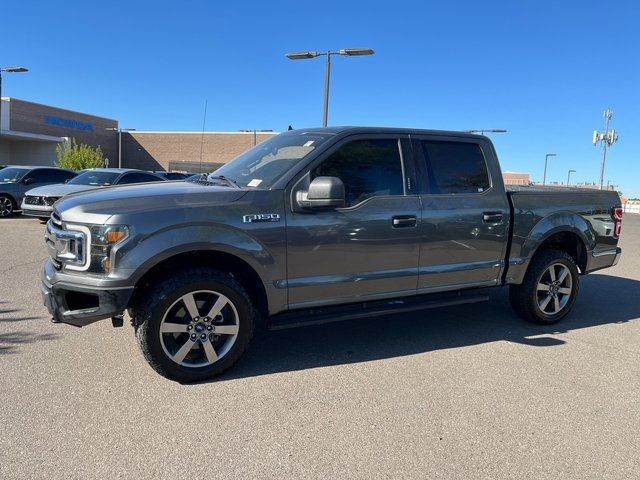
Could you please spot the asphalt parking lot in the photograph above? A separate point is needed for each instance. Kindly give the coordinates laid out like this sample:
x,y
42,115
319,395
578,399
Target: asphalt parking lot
x,y
463,392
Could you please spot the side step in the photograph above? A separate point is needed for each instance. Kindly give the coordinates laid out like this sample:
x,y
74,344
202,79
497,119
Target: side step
x,y
319,316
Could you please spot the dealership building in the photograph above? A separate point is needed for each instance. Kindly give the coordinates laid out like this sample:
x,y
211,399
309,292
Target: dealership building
x,y
30,132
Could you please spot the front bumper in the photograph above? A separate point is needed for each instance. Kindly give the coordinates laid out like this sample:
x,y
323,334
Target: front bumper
x,y
597,260
81,305
42,211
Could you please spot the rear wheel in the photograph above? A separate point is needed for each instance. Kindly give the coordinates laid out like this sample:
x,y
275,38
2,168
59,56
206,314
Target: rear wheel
x,y
6,205
194,326
549,290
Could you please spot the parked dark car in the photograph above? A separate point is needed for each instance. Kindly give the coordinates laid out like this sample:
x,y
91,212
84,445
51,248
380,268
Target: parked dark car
x,y
16,180
173,175
38,202
319,225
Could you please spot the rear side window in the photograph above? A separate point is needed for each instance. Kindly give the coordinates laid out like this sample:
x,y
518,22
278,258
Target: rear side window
x,y
60,175
368,168
41,175
138,178
454,167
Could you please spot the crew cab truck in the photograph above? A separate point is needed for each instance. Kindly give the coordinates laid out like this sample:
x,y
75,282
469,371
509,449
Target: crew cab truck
x,y
319,225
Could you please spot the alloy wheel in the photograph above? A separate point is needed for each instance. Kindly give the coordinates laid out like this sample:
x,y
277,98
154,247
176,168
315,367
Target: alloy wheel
x,y
6,206
199,328
554,289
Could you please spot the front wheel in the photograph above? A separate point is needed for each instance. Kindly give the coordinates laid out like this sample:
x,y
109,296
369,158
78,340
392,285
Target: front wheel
x,y
6,205
194,326
549,289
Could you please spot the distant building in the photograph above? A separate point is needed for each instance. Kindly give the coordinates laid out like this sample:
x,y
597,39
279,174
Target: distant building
x,y
30,132
514,178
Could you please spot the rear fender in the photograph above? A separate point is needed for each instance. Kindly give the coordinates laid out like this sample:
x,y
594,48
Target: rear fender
x,y
558,222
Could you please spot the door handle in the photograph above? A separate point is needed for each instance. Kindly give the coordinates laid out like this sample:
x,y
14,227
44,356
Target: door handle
x,y
492,217
404,221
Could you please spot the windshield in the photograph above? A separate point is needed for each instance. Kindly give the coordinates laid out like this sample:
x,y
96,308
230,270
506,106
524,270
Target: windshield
x,y
98,179
266,162
12,174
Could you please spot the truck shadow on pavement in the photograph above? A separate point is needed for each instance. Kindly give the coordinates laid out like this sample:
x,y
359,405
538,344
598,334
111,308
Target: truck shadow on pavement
x,y
9,341
603,300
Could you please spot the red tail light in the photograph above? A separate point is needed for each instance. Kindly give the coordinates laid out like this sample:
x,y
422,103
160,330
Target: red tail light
x,y
616,214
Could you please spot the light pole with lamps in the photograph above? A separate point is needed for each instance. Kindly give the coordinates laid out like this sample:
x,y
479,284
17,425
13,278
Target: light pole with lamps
x,y
120,130
490,130
569,176
8,70
351,52
546,158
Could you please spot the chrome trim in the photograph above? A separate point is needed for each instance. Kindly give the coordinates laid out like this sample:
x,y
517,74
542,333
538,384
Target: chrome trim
x,y
68,247
604,252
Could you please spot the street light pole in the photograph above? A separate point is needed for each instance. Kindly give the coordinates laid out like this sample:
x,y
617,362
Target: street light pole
x,y
569,176
546,158
351,52
8,70
490,130
327,76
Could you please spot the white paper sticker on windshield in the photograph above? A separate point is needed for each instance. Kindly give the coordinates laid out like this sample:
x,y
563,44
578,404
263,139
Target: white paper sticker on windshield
x,y
254,183
308,144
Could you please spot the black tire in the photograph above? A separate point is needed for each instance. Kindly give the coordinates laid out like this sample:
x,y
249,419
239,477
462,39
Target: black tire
x,y
7,205
526,298
152,305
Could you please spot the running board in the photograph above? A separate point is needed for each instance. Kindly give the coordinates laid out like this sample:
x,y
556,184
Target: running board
x,y
319,316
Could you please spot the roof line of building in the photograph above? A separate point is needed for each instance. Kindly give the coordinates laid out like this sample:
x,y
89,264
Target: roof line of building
x,y
59,108
258,132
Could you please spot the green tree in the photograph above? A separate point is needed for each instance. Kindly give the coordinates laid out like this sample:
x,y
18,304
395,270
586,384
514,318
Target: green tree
x,y
76,156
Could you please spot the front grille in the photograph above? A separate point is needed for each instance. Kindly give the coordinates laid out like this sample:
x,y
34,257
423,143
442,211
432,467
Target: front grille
x,y
34,200
37,200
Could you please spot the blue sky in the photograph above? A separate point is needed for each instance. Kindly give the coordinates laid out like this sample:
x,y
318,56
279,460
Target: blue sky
x,y
544,70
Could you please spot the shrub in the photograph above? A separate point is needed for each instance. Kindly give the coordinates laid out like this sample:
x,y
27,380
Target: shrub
x,y
76,156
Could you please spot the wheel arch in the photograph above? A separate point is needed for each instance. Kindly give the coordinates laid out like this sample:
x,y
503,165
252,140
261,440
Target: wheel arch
x,y
564,231
225,262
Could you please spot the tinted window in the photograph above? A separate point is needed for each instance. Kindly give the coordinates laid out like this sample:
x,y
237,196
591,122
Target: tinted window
x,y
173,175
60,176
41,175
138,178
455,167
95,178
366,167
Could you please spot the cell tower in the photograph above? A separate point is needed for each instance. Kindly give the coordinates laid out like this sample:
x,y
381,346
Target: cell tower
x,y
608,138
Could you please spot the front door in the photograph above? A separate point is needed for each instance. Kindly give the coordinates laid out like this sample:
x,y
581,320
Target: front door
x,y
367,250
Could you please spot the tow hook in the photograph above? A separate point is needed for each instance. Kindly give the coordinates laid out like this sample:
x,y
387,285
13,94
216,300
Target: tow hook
x,y
117,320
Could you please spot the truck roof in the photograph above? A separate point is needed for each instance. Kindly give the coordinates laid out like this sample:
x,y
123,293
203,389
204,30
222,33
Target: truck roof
x,y
355,129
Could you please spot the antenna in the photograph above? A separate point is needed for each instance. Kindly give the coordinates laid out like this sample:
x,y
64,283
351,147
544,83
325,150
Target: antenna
x,y
204,121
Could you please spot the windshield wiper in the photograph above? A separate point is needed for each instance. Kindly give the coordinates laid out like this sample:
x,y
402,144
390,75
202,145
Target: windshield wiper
x,y
229,181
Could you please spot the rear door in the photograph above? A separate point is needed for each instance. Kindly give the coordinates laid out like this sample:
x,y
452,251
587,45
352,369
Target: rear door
x,y
367,250
465,213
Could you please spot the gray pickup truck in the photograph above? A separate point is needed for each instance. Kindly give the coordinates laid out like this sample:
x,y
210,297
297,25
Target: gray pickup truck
x,y
319,225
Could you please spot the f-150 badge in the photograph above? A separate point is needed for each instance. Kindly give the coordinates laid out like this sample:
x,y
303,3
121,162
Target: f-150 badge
x,y
261,217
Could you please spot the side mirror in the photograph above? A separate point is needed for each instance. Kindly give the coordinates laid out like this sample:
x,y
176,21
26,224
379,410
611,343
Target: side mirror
x,y
27,181
325,192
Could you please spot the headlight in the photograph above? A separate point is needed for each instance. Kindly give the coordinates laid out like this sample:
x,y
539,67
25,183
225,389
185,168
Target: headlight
x,y
103,240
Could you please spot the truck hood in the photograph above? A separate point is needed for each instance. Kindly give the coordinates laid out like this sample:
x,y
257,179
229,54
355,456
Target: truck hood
x,y
98,205
59,190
